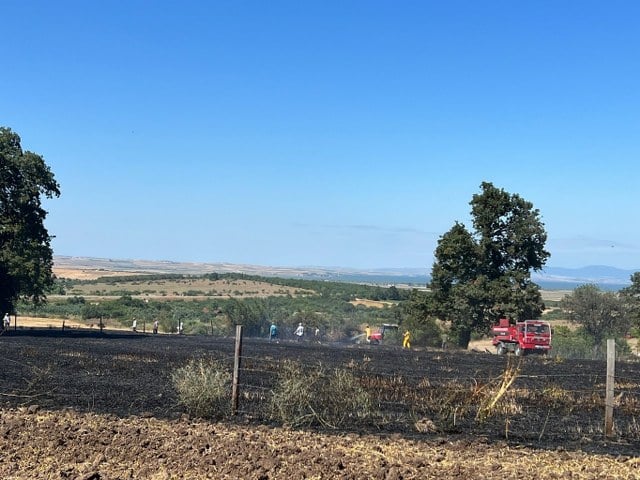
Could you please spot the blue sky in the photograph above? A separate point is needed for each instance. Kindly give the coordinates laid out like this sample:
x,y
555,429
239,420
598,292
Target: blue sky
x,y
328,133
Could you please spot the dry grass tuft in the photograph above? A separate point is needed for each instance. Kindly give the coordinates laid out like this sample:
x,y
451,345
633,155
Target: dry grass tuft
x,y
203,388
317,397
492,396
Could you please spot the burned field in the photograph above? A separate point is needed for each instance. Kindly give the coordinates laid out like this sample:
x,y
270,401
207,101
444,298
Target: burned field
x,y
83,405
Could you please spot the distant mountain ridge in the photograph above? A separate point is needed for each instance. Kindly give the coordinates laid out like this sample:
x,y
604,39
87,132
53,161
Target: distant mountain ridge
x,y
551,277
601,275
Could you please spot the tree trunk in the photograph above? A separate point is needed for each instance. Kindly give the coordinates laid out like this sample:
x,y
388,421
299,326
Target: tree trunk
x,y
464,337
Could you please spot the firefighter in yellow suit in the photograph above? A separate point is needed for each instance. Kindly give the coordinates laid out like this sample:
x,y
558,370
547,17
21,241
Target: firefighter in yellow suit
x,y
367,334
406,340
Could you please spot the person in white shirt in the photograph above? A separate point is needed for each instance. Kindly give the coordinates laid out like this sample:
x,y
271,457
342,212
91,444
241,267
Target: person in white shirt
x,y
299,332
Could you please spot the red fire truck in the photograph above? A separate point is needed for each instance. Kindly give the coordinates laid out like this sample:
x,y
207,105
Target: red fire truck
x,y
529,336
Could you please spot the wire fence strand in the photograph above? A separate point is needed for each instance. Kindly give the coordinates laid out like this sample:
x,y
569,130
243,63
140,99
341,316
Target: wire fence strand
x,y
429,390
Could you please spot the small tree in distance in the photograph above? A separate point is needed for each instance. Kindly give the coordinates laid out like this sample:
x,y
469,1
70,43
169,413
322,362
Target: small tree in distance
x,y
601,314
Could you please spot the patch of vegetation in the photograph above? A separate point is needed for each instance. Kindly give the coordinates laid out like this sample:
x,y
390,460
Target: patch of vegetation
x,y
568,343
316,397
203,388
555,314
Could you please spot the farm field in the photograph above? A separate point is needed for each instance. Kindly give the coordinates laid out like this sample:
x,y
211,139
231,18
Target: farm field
x,y
193,288
77,404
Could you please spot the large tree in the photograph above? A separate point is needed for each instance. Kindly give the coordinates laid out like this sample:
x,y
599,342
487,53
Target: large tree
x,y
26,258
480,276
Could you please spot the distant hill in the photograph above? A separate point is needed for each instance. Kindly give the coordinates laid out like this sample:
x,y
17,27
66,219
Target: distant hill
x,y
552,278
384,275
606,277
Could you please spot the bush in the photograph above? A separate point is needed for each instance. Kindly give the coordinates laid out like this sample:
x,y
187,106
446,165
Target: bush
x,y
423,332
578,344
203,388
316,397
571,344
76,300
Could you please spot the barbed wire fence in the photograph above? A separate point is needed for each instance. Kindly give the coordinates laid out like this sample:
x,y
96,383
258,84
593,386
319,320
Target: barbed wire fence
x,y
467,398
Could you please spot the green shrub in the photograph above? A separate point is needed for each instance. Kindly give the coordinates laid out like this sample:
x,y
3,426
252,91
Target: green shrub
x,y
578,344
75,300
571,344
203,388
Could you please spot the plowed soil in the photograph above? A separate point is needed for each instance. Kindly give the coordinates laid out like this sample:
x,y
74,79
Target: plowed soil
x,y
81,405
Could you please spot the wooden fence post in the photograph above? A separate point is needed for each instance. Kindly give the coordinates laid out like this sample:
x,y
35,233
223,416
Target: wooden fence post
x,y
611,367
236,370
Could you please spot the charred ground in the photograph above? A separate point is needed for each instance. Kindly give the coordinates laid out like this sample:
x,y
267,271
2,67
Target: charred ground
x,y
83,399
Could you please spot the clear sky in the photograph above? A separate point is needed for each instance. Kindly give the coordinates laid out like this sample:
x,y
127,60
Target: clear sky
x,y
327,133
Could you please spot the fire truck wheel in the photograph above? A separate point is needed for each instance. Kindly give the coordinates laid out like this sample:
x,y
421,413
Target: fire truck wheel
x,y
500,350
519,351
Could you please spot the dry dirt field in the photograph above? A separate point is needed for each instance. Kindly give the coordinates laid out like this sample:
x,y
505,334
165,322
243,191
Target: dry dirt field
x,y
45,444
190,288
88,273
370,303
80,405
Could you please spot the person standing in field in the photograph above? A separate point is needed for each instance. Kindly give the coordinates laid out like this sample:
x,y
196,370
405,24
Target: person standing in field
x,y
6,321
155,326
367,334
299,332
406,340
273,332
134,326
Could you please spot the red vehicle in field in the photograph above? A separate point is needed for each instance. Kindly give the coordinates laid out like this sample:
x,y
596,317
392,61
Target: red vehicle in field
x,y
376,337
529,336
